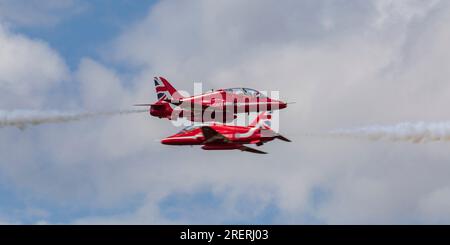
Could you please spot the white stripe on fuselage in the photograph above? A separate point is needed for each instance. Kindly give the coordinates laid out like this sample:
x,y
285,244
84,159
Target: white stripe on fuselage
x,y
249,133
187,137
200,95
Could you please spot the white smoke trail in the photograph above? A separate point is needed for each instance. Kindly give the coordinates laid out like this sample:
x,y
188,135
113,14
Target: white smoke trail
x,y
23,118
407,131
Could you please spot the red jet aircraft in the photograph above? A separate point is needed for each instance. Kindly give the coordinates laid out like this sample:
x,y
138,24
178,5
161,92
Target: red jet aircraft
x,y
220,105
227,137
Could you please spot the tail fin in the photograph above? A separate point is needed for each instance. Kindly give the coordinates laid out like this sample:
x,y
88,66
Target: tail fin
x,y
263,120
164,90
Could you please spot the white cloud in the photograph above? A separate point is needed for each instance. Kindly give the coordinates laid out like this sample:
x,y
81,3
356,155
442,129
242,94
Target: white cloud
x,y
100,87
28,69
391,12
434,206
341,73
344,64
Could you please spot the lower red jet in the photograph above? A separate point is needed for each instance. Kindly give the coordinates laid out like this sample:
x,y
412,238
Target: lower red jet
x,y
227,137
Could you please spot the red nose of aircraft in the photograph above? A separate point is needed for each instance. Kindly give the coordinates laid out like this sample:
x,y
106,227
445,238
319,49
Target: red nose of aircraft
x,y
177,139
167,141
275,104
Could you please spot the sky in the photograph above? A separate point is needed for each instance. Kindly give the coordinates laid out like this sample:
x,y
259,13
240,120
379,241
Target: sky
x,y
345,64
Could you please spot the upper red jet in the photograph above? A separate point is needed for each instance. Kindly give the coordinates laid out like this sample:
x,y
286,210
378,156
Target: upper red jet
x,y
220,105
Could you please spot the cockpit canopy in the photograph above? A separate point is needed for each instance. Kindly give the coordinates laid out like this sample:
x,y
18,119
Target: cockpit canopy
x,y
245,91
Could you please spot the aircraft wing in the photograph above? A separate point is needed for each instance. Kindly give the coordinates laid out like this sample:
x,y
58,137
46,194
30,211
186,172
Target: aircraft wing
x,y
252,150
212,136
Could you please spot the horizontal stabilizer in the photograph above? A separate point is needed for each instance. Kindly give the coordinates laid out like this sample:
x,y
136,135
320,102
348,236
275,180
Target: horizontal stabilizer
x,y
252,150
281,137
173,102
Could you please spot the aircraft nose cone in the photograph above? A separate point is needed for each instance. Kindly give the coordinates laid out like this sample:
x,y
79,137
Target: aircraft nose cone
x,y
166,141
